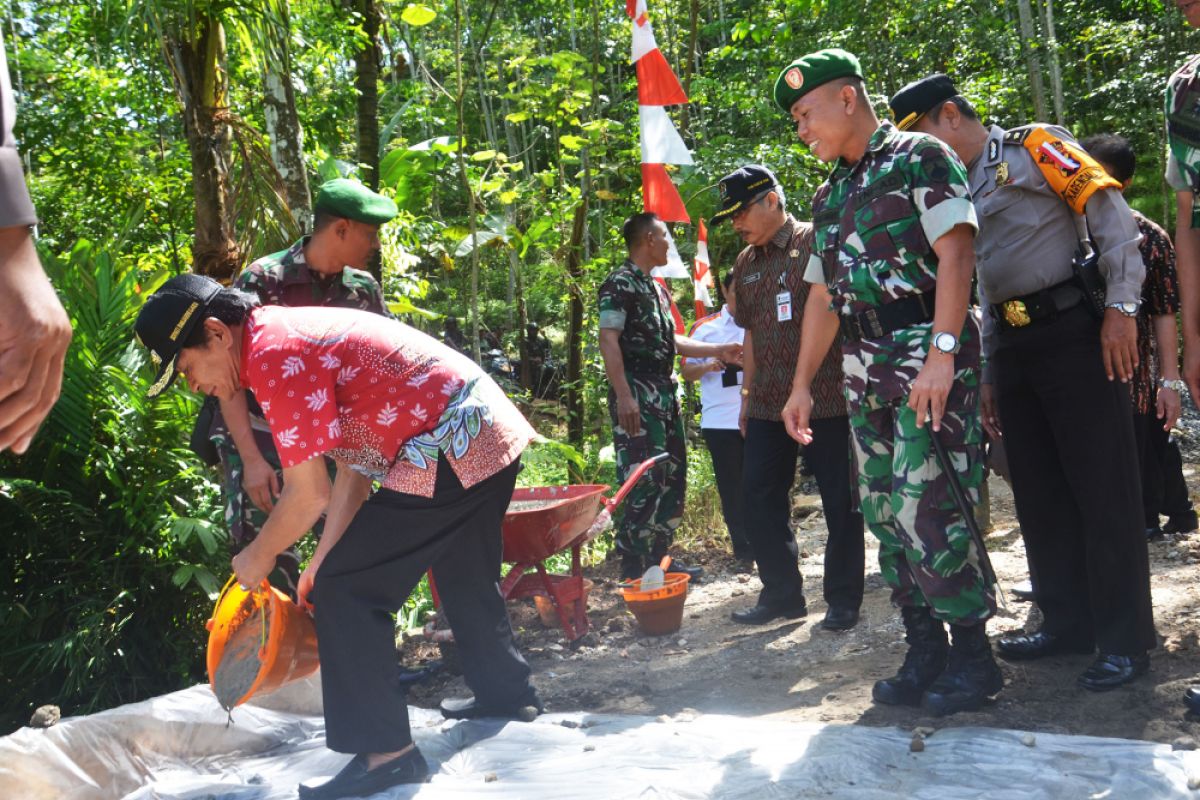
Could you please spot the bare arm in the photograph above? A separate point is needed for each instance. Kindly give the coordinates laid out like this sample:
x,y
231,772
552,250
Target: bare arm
x,y
817,333
304,497
747,379
730,353
258,477
34,335
1169,403
956,264
1187,265
693,369
350,491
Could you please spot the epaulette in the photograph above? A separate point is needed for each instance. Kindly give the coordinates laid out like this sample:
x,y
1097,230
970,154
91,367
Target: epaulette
x,y
1019,135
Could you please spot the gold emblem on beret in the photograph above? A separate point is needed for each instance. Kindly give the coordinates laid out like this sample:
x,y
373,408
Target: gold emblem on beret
x,y
794,78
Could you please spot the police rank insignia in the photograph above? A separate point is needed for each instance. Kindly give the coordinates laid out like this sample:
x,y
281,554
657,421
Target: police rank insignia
x,y
1002,176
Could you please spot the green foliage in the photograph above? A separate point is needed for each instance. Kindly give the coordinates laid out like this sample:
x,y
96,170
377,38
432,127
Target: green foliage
x,y
111,541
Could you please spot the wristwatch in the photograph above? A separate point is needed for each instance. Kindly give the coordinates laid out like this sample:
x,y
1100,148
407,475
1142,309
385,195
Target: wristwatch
x,y
946,342
1128,309
1174,385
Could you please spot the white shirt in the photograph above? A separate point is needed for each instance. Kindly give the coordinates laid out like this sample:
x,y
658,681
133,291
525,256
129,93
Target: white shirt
x,y
720,405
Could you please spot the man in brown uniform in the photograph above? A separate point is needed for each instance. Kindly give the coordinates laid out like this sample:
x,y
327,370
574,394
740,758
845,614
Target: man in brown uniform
x,y
769,275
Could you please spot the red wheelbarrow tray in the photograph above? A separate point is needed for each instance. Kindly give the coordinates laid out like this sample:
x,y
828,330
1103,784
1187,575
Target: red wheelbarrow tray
x,y
533,535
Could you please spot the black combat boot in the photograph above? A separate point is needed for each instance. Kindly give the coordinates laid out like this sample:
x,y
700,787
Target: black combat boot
x,y
924,662
971,675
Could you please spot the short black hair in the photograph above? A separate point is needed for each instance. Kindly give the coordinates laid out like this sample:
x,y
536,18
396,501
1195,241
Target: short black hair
x,y
323,219
230,306
638,226
961,103
728,279
1114,152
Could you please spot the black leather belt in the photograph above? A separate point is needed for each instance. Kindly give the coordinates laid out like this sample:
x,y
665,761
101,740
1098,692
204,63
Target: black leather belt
x,y
1020,312
875,323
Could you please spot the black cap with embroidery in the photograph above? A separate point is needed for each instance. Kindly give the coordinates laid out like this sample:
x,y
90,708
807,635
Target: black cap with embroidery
x,y
919,98
740,187
167,319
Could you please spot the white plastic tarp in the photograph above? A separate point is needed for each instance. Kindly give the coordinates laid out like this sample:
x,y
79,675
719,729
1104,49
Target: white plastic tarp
x,y
178,747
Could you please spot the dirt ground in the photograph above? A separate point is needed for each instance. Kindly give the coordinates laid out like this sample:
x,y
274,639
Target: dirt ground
x,y
793,670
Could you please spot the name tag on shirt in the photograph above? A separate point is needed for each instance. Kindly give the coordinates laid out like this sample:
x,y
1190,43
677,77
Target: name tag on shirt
x,y
783,307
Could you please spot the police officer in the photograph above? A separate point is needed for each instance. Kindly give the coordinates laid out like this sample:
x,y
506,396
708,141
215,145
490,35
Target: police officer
x,y
326,268
770,277
639,343
892,263
1061,344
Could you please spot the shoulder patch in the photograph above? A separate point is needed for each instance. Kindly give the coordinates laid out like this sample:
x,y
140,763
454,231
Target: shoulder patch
x,y
1067,167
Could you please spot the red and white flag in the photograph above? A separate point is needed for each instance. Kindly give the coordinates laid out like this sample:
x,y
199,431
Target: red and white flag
x,y
702,280
661,142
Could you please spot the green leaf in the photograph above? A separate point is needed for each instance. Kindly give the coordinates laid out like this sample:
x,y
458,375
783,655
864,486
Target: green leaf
x,y
572,142
481,238
418,15
508,198
483,155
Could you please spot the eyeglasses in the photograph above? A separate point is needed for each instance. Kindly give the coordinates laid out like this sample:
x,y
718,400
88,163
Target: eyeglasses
x,y
741,212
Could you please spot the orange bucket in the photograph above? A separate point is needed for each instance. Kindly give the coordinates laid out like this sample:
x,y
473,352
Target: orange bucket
x,y
284,633
658,611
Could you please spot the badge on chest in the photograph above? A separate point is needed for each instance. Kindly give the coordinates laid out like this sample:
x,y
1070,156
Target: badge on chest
x,y
783,306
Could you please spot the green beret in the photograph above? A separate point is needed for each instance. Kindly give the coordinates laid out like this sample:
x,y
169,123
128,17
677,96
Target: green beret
x,y
808,72
343,197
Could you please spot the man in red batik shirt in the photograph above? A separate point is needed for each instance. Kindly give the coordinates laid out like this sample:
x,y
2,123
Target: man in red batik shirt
x,y
388,404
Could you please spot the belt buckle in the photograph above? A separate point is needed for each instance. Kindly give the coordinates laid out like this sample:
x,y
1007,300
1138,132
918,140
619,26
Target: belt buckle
x,y
1015,313
873,326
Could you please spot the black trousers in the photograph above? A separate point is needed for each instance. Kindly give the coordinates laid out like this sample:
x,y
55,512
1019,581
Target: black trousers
x,y
768,473
1070,444
370,572
726,447
1164,489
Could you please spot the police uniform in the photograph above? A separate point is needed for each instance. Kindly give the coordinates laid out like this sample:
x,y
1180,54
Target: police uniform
x,y
638,306
285,279
1068,429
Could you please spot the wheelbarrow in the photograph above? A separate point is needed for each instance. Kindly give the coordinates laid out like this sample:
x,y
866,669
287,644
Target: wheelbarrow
x,y
545,520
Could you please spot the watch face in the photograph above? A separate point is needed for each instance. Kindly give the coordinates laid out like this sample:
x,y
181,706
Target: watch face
x,y
945,342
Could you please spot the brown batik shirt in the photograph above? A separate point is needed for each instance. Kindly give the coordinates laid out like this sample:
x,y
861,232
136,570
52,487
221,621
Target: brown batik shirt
x,y
761,273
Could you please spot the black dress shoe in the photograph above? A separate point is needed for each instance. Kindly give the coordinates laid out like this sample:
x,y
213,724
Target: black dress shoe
x,y
1039,645
840,618
760,614
1155,534
682,566
1109,671
1191,699
1023,591
355,780
469,708
1181,524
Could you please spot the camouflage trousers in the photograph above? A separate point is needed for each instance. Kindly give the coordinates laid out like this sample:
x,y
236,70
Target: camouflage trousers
x,y
926,553
653,509
243,519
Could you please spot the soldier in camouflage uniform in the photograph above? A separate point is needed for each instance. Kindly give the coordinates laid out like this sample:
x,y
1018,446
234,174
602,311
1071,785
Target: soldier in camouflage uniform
x,y
892,264
324,269
638,342
1183,176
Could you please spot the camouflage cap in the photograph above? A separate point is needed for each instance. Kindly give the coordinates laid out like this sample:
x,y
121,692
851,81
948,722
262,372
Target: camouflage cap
x,y
343,197
808,72
919,98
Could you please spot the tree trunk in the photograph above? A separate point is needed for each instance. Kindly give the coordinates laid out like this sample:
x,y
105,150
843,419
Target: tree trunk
x,y
689,66
575,336
366,84
200,66
472,222
283,125
1033,61
1055,68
